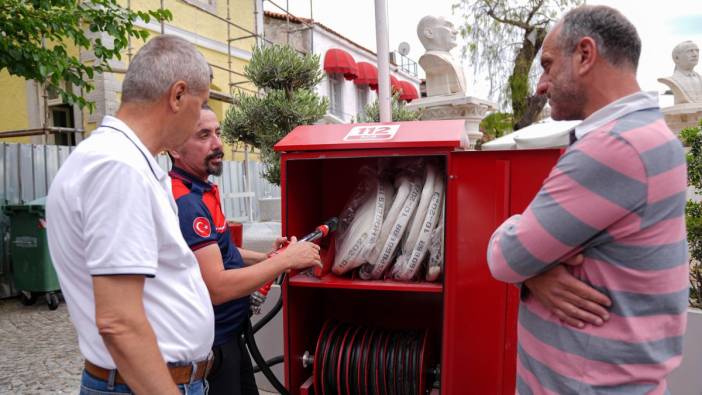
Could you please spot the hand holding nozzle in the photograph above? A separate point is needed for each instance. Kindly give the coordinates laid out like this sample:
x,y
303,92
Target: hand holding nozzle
x,y
300,254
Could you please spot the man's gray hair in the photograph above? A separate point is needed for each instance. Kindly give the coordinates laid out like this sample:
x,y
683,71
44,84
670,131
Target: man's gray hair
x,y
163,61
616,37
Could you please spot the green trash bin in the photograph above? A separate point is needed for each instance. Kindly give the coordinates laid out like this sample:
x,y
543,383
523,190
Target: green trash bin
x,y
7,285
32,270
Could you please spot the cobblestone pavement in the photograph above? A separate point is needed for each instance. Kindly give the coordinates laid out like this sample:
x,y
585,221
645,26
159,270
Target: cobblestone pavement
x,y
38,350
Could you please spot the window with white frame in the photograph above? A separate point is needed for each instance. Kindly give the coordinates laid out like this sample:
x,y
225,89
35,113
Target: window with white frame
x,y
362,93
336,94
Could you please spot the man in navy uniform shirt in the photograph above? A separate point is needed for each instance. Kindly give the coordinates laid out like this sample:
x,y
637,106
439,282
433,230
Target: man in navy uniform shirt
x,y
230,273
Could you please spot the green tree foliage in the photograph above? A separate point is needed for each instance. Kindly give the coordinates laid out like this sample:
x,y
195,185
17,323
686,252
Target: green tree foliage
x,y
496,125
503,39
287,80
35,36
692,138
399,112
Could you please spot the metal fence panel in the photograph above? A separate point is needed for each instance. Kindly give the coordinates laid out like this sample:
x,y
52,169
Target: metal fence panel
x,y
63,153
164,162
52,162
12,178
39,166
27,172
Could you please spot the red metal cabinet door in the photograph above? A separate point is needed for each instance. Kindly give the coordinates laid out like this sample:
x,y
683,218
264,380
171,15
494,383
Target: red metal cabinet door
x,y
479,333
474,303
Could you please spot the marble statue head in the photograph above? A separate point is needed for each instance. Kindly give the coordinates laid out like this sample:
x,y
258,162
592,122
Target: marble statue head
x,y
436,33
686,55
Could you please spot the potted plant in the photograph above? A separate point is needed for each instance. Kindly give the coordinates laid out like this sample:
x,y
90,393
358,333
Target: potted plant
x,y
286,81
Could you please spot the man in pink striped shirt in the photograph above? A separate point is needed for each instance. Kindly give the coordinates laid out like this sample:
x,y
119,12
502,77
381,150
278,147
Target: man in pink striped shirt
x,y
611,320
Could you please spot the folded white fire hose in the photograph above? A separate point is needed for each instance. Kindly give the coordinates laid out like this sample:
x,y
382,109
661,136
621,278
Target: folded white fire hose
x,y
436,249
418,218
393,229
382,221
364,230
417,243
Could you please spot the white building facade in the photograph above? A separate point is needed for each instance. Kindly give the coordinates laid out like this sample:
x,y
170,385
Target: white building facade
x,y
348,93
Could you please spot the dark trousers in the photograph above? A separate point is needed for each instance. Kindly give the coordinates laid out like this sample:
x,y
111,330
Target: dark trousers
x,y
232,372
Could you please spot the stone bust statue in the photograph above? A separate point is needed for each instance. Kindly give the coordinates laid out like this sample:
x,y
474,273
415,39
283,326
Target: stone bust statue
x,y
685,83
444,75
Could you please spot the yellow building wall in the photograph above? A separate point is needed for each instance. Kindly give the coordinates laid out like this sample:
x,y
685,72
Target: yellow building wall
x,y
187,17
13,106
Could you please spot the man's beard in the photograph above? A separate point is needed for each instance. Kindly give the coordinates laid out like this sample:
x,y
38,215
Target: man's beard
x,y
214,169
569,98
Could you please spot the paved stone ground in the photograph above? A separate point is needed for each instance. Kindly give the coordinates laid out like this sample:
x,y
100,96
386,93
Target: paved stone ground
x,y
38,350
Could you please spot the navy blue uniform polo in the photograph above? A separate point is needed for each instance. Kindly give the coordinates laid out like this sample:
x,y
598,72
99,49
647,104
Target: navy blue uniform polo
x,y
202,222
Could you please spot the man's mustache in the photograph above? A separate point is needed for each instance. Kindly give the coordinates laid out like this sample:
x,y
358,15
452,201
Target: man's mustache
x,y
215,155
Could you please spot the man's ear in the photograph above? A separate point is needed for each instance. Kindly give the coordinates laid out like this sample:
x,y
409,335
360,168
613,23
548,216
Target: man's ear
x,y
428,33
586,55
174,154
176,95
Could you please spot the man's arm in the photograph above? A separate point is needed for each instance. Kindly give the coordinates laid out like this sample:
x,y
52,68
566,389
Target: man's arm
x,y
596,183
225,285
570,299
253,257
128,336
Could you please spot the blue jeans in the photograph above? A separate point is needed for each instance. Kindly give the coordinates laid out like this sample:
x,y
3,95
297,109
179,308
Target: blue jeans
x,y
90,385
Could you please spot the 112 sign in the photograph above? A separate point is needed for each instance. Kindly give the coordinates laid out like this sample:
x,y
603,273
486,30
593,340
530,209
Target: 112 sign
x,y
372,133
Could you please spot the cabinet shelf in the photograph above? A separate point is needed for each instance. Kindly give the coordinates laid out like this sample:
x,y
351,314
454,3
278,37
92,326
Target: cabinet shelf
x,y
333,281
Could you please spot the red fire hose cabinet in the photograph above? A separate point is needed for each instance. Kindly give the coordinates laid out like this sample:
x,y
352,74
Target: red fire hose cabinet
x,y
456,335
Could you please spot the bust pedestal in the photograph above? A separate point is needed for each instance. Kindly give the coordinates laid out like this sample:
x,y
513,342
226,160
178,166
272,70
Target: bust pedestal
x,y
681,116
472,110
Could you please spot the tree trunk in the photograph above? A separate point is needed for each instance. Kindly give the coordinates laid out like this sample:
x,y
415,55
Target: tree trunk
x,y
525,107
534,105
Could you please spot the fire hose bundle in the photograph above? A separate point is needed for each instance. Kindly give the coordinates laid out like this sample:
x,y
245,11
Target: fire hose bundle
x,y
392,227
351,359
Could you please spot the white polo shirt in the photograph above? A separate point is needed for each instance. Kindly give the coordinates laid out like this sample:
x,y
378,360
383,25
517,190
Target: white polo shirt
x,y
110,211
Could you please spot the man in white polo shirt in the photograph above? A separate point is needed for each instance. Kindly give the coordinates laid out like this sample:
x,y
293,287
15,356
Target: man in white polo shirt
x,y
133,287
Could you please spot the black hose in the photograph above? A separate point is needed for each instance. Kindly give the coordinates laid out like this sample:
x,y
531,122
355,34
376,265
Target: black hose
x,y
276,308
260,362
269,316
270,362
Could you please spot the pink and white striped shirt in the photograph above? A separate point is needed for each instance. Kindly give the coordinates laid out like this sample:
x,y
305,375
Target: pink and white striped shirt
x,y
618,197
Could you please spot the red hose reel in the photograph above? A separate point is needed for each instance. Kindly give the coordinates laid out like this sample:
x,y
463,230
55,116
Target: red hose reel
x,y
359,360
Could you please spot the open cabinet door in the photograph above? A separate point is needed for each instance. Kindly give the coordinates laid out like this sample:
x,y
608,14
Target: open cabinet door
x,y
480,313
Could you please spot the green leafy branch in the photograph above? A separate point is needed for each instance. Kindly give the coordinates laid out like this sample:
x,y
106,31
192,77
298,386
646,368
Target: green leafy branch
x,y
36,37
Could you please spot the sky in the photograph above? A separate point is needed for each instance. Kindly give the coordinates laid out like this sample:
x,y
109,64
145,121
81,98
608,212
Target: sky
x,y
661,26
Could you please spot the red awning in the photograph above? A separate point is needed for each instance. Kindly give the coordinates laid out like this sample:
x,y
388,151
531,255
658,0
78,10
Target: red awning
x,y
395,85
339,61
367,75
409,92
